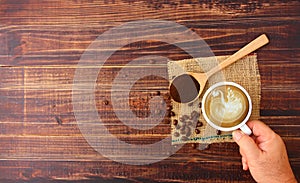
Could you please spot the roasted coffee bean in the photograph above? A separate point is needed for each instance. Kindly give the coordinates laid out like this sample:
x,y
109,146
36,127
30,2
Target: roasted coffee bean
x,y
183,130
183,126
188,132
169,108
177,127
218,132
200,105
169,114
184,138
194,145
168,97
189,123
195,119
175,122
157,93
199,124
197,131
105,102
172,113
58,120
176,134
195,114
183,118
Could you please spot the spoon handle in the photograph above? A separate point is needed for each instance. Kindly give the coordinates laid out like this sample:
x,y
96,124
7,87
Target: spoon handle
x,y
250,47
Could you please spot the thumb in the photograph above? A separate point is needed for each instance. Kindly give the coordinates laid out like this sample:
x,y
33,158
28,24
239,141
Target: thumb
x,y
247,145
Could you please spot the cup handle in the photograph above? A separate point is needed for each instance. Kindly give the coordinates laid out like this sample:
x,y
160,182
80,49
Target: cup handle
x,y
246,129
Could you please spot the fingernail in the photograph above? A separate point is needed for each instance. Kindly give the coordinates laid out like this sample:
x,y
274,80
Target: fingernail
x,y
244,166
237,135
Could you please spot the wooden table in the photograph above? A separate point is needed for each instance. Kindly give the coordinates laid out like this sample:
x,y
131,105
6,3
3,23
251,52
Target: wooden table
x,y
41,43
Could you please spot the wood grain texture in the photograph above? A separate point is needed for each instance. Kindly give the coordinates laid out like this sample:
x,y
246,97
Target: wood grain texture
x,y
41,43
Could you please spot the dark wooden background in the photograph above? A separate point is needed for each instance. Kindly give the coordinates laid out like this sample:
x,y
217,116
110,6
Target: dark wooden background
x,y
41,43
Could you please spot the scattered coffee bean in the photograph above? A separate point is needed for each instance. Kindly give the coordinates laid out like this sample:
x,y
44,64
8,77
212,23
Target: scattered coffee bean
x,y
188,132
175,122
189,123
195,118
176,134
200,105
177,127
197,131
58,120
172,113
195,114
184,138
105,102
168,97
183,118
218,132
157,93
169,108
183,130
169,114
199,124
194,145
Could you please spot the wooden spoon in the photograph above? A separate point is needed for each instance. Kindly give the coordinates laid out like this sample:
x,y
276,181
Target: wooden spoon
x,y
181,95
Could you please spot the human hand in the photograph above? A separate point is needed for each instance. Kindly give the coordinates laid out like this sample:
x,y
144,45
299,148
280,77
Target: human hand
x,y
264,154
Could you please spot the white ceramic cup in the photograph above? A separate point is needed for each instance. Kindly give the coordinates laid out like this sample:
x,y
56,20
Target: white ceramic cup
x,y
242,125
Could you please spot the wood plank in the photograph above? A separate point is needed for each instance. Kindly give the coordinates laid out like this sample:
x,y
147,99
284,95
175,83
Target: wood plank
x,y
58,11
30,141
50,127
86,170
41,44
122,173
191,169
36,46
49,87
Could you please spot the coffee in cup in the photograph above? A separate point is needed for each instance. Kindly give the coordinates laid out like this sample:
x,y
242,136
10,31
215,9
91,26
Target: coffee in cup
x,y
227,106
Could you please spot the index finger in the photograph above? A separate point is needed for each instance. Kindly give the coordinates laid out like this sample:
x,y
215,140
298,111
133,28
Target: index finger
x,y
260,130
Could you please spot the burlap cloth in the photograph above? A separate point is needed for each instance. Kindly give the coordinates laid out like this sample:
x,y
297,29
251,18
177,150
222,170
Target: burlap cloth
x,y
244,72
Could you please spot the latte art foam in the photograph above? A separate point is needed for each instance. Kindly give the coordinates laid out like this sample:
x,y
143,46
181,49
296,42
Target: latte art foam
x,y
227,106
